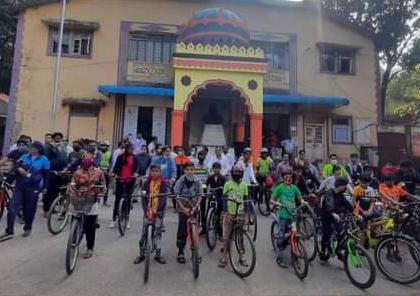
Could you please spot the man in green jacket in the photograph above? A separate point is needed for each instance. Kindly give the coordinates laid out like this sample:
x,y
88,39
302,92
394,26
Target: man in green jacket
x,y
105,164
328,170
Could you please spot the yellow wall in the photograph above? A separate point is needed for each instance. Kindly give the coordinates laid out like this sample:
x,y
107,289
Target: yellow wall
x,y
80,77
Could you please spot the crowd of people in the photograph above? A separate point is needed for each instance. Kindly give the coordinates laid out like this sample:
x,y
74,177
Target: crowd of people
x,y
39,169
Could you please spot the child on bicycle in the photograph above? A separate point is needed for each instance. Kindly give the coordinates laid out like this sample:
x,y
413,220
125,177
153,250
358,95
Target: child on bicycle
x,y
285,197
154,203
85,179
217,180
188,186
234,189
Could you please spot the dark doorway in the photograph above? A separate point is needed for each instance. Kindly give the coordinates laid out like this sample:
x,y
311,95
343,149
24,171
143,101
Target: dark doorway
x,y
276,128
145,122
392,146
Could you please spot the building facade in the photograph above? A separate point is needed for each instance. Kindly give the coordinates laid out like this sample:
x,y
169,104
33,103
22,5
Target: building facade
x,y
262,73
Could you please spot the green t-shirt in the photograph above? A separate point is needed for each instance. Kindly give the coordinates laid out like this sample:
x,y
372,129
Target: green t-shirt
x,y
328,171
106,160
264,166
235,191
286,196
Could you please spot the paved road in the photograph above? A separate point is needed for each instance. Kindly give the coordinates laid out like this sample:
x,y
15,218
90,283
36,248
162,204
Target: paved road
x,y
35,266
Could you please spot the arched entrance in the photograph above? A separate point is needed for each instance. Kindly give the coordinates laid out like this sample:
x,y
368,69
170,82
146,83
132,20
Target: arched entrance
x,y
216,113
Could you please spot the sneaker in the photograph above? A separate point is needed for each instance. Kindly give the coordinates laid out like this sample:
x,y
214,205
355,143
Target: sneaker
x,y
26,233
112,225
6,236
281,263
160,259
88,254
139,259
128,225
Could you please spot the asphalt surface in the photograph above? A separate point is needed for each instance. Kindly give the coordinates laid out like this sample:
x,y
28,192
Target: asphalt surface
x,y
36,266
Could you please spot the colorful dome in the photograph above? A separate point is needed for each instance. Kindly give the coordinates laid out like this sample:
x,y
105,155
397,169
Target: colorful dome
x,y
215,26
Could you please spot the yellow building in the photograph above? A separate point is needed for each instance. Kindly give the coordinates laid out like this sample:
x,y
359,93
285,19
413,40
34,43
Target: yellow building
x,y
266,71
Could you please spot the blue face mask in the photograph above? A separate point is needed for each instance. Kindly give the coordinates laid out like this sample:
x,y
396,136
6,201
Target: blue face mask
x,y
21,149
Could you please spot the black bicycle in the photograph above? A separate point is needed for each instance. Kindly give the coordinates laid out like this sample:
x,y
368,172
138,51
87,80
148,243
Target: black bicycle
x,y
213,218
80,206
240,243
124,208
264,199
57,216
252,226
149,240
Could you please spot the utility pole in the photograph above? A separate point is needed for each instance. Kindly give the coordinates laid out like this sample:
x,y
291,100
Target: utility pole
x,y
57,67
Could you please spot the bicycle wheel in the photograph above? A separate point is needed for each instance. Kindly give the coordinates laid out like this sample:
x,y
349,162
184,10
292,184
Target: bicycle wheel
x,y
264,203
309,236
252,224
242,255
274,230
147,254
300,260
57,216
398,259
72,252
2,207
358,265
194,252
211,228
122,216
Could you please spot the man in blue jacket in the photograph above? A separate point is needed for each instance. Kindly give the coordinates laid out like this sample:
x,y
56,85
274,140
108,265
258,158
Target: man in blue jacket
x,y
32,178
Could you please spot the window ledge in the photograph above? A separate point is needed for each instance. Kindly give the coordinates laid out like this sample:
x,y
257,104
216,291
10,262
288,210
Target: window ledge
x,y
84,102
337,73
70,24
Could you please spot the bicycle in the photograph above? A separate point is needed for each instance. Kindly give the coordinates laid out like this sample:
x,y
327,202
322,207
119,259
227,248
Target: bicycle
x,y
263,199
193,237
307,228
238,239
213,218
124,208
396,254
252,226
150,240
57,215
294,239
79,207
344,239
6,192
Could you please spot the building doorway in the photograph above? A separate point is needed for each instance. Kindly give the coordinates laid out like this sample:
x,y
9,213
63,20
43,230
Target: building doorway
x,y
315,141
216,115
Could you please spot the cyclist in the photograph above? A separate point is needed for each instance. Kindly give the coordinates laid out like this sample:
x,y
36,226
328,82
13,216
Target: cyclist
x,y
235,189
125,169
407,176
32,178
217,180
154,206
166,163
334,204
264,164
247,168
105,164
392,194
202,173
283,165
285,196
329,182
328,168
187,186
13,156
84,179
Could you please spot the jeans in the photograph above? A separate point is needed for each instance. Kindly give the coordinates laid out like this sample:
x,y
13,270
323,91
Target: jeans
x,y
158,233
52,192
26,198
89,228
285,225
181,235
119,191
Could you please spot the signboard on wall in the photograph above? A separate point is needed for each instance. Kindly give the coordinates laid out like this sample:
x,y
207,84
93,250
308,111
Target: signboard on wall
x,y
130,120
146,72
277,79
159,124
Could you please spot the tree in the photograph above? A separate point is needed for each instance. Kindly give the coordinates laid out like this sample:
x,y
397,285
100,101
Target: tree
x,y
404,92
393,25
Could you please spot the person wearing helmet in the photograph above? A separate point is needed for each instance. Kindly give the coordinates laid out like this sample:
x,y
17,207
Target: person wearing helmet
x,y
264,164
247,167
285,196
234,189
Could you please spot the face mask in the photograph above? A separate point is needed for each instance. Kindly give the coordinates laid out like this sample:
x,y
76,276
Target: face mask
x,y
91,149
334,161
87,163
236,178
21,148
201,159
76,148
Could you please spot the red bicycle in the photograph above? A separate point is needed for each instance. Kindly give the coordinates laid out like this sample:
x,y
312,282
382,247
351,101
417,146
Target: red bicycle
x,y
193,237
6,191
